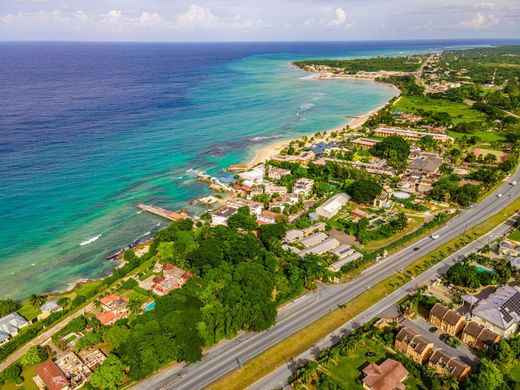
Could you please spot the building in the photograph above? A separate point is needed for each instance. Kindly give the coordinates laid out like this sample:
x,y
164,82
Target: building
x,y
303,187
277,173
500,312
76,372
267,218
389,375
255,175
172,278
293,235
445,364
10,325
409,134
332,206
48,308
114,302
364,143
446,319
317,227
345,255
274,189
478,337
383,200
313,239
427,163
321,248
221,216
413,345
359,213
49,376
254,207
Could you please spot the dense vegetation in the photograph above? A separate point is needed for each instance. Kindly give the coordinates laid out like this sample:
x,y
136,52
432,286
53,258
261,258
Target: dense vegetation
x,y
402,64
395,150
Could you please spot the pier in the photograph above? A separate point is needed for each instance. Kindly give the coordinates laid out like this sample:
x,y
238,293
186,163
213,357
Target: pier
x,y
159,211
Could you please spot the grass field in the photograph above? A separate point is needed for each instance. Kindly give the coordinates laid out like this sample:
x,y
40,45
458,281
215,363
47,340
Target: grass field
x,y
515,235
28,311
485,136
460,112
301,341
28,373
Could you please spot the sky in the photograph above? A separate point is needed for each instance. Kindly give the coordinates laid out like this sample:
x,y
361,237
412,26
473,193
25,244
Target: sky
x,y
256,20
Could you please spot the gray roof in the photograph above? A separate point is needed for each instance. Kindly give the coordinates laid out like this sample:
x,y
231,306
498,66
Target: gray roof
x,y
426,163
11,323
320,248
313,239
50,305
293,234
501,308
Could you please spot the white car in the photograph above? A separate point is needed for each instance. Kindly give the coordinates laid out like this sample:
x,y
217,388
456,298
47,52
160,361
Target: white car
x,y
499,195
434,236
513,183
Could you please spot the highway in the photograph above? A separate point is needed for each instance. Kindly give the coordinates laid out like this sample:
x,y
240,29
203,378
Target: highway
x,y
222,359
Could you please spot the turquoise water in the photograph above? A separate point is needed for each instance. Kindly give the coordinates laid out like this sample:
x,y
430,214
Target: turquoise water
x,y
483,269
91,130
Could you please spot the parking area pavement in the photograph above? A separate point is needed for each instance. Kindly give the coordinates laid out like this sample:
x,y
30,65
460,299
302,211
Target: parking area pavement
x,y
420,325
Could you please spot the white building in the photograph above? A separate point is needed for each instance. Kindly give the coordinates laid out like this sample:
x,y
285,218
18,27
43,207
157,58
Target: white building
x,y
221,216
255,175
293,235
303,187
255,208
277,173
332,206
10,325
313,239
321,248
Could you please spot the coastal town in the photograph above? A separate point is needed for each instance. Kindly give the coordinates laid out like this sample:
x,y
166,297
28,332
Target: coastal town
x,y
321,210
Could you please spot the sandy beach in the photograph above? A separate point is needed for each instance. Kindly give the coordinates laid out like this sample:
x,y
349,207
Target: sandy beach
x,y
267,152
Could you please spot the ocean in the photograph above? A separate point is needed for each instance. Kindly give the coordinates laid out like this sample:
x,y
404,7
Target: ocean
x,y
89,130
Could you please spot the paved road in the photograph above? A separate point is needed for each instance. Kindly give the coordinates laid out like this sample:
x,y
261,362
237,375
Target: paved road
x,y
222,359
278,378
43,337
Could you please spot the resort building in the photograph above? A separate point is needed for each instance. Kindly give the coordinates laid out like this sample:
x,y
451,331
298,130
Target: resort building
x,y
271,189
48,376
500,312
426,163
389,375
303,187
332,206
413,345
478,337
446,319
267,218
48,308
277,173
445,364
255,208
364,143
10,325
221,216
409,134
255,175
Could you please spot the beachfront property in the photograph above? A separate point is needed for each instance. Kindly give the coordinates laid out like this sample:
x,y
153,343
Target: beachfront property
x,y
303,187
364,143
170,278
10,326
255,175
276,173
409,134
389,375
332,206
255,208
478,336
302,159
221,216
48,308
446,319
114,307
499,312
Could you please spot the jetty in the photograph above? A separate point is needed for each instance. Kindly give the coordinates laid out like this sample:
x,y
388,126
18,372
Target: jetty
x,y
159,211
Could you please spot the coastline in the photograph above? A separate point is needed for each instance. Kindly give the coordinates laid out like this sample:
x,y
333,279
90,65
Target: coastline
x,y
266,152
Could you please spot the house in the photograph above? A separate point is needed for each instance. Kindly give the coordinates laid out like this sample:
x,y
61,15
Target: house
x,y
446,319
413,345
221,216
478,337
48,308
115,303
383,200
49,376
277,173
107,318
427,163
359,213
267,218
313,239
10,325
500,312
293,235
509,248
445,364
389,375
303,187
76,372
254,207
332,206
321,248
172,278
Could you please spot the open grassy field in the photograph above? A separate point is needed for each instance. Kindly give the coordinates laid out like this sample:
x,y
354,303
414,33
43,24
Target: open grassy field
x,y
28,373
515,235
460,112
485,136
301,341
28,311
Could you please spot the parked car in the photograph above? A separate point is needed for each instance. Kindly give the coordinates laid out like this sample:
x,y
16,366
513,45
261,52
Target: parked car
x,y
433,329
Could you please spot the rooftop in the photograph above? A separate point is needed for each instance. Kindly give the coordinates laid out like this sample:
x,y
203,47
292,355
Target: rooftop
x,y
387,376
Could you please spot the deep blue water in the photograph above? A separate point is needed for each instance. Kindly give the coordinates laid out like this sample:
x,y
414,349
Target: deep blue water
x,y
88,130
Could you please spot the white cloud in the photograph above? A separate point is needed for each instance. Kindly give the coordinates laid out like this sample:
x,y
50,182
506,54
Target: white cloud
x,y
341,18
44,19
197,17
113,19
485,5
309,23
480,21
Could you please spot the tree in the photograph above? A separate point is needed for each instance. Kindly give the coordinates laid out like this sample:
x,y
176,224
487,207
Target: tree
x,y
109,375
364,190
115,336
8,306
34,355
242,219
487,377
394,149
427,143
87,341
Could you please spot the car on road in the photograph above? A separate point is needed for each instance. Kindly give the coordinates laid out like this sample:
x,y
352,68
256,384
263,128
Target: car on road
x,y
433,329
444,337
510,195
416,248
513,183
499,195
434,236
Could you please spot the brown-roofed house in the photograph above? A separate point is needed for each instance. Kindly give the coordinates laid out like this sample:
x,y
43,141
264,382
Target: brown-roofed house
x,y
50,375
114,302
478,337
107,318
446,319
389,375
413,345
445,364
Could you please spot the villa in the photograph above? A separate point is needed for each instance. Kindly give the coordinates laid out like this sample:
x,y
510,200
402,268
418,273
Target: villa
x,y
10,325
389,375
446,319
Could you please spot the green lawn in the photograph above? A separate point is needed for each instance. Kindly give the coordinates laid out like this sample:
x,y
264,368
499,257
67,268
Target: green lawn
x,y
28,373
28,311
486,136
459,111
515,236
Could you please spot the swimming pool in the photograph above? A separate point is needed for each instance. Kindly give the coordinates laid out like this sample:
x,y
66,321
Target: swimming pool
x,y
150,306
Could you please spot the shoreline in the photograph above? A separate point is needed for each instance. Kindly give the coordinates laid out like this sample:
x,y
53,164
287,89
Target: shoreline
x,y
266,152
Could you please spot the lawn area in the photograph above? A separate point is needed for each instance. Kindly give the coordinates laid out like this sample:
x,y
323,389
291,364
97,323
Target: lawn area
x,y
414,224
485,136
347,372
28,373
460,112
515,235
28,311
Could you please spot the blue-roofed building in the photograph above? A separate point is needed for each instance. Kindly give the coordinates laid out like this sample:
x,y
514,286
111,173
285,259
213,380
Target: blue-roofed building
x,y
321,147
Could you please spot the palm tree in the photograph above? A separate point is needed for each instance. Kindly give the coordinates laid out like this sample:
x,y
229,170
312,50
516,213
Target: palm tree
x,y
37,300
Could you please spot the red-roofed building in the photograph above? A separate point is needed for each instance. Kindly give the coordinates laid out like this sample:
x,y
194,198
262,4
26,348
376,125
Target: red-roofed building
x,y
49,375
389,375
114,302
107,318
